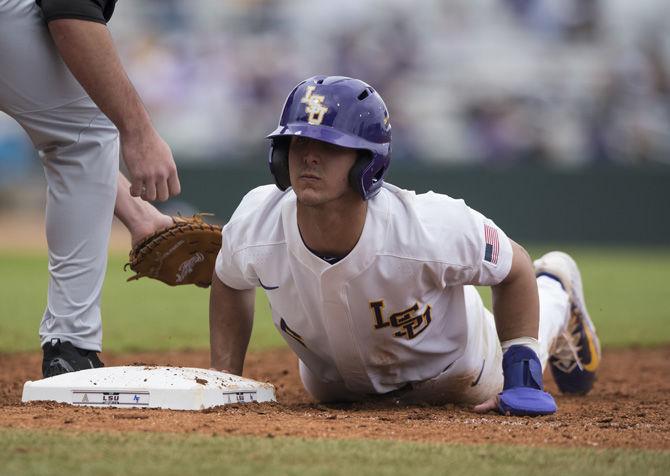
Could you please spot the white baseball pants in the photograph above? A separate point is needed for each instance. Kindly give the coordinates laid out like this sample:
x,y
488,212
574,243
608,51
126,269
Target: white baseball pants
x,y
477,375
79,150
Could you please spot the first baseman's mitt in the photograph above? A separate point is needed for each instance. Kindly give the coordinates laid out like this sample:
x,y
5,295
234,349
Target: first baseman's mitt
x,y
184,253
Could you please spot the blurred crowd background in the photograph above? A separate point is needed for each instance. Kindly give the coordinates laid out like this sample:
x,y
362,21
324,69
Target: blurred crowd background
x,y
557,82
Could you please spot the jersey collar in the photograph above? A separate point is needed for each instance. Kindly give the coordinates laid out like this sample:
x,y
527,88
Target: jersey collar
x,y
359,258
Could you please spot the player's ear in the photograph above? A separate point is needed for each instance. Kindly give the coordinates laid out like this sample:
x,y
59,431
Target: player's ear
x,y
279,161
362,161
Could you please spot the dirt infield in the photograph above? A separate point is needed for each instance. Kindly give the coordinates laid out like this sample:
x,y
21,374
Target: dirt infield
x,y
628,408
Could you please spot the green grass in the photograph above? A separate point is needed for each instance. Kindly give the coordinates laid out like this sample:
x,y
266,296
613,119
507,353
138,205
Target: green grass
x,y
40,453
624,288
139,315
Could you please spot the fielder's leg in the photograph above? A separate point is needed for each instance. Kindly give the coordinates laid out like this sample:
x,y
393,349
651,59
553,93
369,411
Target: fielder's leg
x,y
79,149
81,178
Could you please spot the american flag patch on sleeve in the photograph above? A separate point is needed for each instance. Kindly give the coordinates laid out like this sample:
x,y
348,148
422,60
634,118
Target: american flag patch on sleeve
x,y
492,247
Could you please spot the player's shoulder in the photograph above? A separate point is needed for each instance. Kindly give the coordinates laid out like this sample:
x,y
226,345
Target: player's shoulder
x,y
429,208
428,226
256,201
257,218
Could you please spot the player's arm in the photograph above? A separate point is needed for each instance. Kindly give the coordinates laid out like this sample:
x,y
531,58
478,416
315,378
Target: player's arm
x,y
231,314
89,52
516,308
516,303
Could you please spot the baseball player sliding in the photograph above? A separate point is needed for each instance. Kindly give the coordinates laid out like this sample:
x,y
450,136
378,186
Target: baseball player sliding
x,y
372,286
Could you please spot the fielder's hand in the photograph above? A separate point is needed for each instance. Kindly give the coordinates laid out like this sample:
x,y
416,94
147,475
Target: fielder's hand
x,y
184,253
523,392
153,173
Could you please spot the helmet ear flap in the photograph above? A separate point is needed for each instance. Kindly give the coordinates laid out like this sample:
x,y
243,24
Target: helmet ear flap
x,y
279,162
356,172
367,174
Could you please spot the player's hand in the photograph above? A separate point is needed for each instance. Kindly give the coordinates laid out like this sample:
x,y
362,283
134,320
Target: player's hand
x,y
523,392
519,401
490,405
153,173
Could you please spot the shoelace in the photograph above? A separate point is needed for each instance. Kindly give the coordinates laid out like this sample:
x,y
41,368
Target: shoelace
x,y
566,349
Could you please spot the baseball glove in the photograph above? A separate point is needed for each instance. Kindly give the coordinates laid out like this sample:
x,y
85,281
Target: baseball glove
x,y
184,253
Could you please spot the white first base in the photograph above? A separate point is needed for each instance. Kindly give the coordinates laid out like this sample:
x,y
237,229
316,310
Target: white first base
x,y
175,388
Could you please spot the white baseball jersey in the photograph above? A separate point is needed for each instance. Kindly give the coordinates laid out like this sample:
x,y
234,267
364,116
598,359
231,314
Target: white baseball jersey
x,y
392,311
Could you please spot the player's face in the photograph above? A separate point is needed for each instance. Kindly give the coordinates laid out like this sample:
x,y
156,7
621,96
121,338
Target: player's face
x,y
319,171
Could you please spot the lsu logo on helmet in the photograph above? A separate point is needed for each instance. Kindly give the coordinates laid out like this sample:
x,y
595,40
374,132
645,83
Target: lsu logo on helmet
x,y
342,111
315,109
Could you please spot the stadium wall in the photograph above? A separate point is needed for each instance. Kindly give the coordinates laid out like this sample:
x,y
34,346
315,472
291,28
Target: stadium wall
x,y
604,204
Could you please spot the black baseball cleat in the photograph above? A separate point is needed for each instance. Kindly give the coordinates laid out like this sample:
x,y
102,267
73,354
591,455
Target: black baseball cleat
x,y
575,355
62,357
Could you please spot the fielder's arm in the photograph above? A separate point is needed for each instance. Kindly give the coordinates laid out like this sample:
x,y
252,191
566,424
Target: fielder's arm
x,y
231,315
89,52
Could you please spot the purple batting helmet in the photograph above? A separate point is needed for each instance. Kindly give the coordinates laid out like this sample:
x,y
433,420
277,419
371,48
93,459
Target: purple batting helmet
x,y
341,111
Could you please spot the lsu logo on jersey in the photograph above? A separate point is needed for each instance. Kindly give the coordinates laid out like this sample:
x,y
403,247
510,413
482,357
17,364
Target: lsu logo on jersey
x,y
409,322
315,109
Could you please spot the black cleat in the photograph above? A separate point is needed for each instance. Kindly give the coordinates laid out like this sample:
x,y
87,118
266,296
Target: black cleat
x,y
62,357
